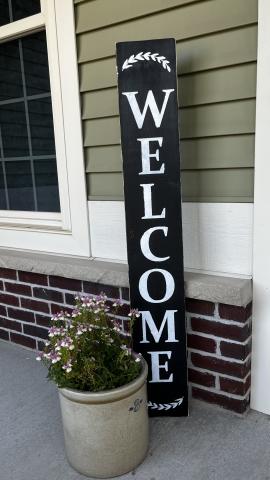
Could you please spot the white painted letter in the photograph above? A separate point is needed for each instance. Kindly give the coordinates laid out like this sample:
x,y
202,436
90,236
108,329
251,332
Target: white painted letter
x,y
143,285
156,367
146,155
147,198
168,318
151,103
145,248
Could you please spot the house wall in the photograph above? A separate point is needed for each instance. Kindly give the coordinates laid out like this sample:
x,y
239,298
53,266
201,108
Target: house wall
x,y
216,42
216,45
216,48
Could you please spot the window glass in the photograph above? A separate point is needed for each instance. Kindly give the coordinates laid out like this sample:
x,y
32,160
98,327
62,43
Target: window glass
x,y
13,130
46,185
12,10
36,69
4,9
10,71
41,125
27,146
2,190
20,185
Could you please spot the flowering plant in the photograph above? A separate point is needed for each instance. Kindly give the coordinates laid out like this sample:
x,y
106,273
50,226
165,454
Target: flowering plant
x,y
87,350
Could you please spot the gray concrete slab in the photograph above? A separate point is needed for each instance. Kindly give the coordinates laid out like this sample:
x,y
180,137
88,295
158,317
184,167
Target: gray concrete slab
x,y
211,444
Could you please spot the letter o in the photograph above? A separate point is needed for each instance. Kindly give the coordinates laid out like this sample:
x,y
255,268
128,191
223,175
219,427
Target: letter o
x,y
143,285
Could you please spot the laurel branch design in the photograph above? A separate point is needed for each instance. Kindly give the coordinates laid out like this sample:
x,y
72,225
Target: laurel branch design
x,y
165,406
156,57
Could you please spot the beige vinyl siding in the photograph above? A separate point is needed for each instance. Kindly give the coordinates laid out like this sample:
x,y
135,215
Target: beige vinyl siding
x,y
216,43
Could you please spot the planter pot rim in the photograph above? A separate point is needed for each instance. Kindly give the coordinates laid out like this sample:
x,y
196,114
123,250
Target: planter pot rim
x,y
107,396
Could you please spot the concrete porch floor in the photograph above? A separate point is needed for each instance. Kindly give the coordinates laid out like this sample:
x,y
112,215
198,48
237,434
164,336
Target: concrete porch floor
x,y
211,444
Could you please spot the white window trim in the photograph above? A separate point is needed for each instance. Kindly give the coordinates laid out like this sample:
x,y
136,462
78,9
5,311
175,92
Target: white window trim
x,y
66,232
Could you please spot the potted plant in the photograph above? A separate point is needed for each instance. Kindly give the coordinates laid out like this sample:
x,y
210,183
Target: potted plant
x,y
102,388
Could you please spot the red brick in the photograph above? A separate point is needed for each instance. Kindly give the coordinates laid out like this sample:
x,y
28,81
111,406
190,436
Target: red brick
x,y
235,350
3,310
19,289
43,320
123,310
8,273
199,306
40,345
47,294
235,387
202,378
65,283
59,308
97,288
125,293
35,331
9,299
233,369
4,334
234,404
126,326
70,299
220,329
22,315
32,277
35,305
201,343
22,340
10,324
238,314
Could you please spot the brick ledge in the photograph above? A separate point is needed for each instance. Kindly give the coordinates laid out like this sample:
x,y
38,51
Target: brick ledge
x,y
213,288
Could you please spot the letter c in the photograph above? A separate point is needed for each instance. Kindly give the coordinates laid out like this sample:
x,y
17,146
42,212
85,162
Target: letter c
x,y
145,248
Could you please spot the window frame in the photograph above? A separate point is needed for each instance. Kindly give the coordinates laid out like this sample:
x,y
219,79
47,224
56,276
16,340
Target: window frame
x,y
66,232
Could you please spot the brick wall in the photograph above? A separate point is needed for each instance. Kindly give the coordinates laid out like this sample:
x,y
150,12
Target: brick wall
x,y
219,351
219,335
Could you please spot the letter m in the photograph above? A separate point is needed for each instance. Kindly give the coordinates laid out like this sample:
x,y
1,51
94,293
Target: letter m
x,y
168,319
151,103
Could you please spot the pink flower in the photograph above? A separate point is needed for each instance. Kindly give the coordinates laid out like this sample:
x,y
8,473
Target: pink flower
x,y
134,313
54,357
67,367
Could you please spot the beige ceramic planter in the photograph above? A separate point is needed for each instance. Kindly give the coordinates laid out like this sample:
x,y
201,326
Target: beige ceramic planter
x,y
106,433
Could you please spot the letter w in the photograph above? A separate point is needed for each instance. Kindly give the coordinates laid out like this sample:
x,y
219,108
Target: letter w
x,y
151,103
168,318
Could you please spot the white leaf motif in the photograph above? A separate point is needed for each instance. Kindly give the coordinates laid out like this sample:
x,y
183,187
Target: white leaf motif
x,y
126,65
139,56
165,406
132,59
148,56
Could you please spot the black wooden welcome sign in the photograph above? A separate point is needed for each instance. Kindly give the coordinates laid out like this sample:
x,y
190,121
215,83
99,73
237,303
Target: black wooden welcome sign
x,y
150,150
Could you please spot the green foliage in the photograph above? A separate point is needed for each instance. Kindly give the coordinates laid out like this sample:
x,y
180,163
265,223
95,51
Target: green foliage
x,y
87,350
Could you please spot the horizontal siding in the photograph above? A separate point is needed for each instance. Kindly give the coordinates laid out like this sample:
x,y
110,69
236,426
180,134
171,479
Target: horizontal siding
x,y
204,184
113,12
225,84
193,20
216,51
235,151
200,121
213,51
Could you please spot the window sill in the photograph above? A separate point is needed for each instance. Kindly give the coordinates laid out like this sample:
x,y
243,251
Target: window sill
x,y
229,290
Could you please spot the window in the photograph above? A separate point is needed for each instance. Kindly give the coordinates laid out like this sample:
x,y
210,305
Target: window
x,y
43,203
27,147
